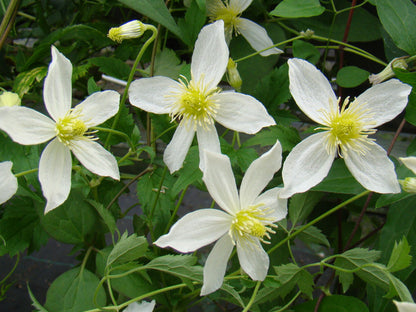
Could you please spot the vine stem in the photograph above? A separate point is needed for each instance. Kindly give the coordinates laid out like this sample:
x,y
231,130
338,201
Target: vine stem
x,y
253,297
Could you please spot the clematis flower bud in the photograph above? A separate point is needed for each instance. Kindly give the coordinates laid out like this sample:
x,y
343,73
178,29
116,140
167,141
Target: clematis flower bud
x,y
129,30
388,72
233,76
9,99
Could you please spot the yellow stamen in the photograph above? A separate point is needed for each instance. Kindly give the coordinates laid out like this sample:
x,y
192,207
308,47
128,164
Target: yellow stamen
x,y
70,127
229,14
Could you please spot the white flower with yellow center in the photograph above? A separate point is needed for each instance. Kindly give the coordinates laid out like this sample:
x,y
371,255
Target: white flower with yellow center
x,y
68,128
8,182
405,306
230,11
247,220
196,104
346,127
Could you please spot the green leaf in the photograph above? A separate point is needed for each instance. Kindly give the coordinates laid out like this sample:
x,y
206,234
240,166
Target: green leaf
x,y
409,78
301,205
192,23
351,76
398,19
73,291
111,66
106,215
313,235
290,275
167,64
189,173
306,51
127,249
24,81
155,10
92,86
298,8
182,266
35,302
398,288
400,258
334,303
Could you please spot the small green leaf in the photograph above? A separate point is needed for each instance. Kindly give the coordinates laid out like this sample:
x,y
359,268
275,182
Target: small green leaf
x,y
334,303
92,86
127,249
24,81
35,302
290,275
192,23
400,258
105,214
306,51
74,291
351,76
189,173
313,235
166,64
179,265
298,8
398,288
111,66
301,205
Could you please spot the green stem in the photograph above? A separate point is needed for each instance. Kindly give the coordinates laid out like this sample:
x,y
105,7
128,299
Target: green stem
x,y
253,297
84,261
290,302
20,174
164,132
316,220
172,217
8,20
12,270
152,211
130,79
115,132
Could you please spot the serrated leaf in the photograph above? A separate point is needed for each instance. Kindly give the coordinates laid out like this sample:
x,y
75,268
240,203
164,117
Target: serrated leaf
x,y
155,10
35,302
179,265
192,23
313,235
24,81
351,76
306,51
298,8
400,258
301,205
398,19
290,275
127,249
105,214
73,291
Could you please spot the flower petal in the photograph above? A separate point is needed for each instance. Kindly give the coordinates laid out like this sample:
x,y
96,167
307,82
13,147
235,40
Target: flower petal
x,y
240,5
219,179
98,107
253,259
25,125
409,162
257,37
310,89
207,140
306,165
95,158
55,168
8,182
57,90
385,100
195,230
405,306
374,170
259,174
143,306
241,112
210,57
271,200
178,147
216,264
151,94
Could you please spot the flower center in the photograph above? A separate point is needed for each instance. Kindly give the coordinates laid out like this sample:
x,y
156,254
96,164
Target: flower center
x,y
194,104
230,16
348,128
252,222
70,127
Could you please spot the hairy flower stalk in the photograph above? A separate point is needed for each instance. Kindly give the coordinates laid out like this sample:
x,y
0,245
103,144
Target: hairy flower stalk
x,y
246,220
344,132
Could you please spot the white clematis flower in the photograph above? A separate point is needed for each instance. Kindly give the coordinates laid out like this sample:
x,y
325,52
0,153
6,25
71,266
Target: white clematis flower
x,y
198,103
345,132
67,129
230,12
405,306
247,219
140,307
8,182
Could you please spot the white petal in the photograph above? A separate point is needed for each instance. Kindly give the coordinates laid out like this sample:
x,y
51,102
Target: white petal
x,y
241,112
374,170
240,5
55,168
405,306
306,165
153,94
216,264
57,90
219,179
140,307
195,230
98,107
409,162
257,37
8,182
253,259
310,89
95,158
210,57
25,125
207,140
271,200
259,174
385,100
178,147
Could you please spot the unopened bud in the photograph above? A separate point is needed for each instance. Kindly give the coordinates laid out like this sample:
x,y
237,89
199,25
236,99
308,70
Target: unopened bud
x,y
408,185
9,99
233,76
307,34
388,72
130,30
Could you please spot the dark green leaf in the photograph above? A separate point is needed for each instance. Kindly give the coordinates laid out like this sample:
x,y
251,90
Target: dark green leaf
x,y
192,23
127,249
306,51
290,275
92,86
167,64
301,205
189,173
334,303
111,66
298,8
106,215
351,76
287,136
313,235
